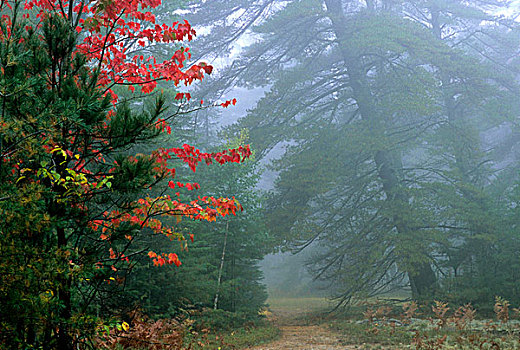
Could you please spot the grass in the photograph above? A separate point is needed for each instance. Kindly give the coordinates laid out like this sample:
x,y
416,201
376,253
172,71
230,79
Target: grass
x,y
299,311
300,304
240,338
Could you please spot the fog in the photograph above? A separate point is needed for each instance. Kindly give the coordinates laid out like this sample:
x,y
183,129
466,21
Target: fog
x,y
401,118
161,188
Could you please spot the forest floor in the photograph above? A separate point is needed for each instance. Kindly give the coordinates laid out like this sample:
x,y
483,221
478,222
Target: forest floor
x,y
304,325
297,322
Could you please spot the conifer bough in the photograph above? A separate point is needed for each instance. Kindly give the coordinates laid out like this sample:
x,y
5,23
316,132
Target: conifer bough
x,y
73,194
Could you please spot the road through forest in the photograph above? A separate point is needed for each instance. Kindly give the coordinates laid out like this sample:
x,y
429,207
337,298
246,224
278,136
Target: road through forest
x,y
299,330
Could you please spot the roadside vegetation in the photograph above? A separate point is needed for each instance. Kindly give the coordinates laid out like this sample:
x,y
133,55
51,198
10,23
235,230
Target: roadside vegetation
x,y
389,324
244,337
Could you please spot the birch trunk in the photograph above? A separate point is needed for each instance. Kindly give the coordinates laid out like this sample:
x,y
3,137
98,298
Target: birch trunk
x,y
215,303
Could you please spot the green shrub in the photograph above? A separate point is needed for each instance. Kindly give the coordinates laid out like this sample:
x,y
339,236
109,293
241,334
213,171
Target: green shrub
x,y
221,320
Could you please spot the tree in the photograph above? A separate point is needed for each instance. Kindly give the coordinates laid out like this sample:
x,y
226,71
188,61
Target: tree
x,y
236,245
384,104
74,196
230,248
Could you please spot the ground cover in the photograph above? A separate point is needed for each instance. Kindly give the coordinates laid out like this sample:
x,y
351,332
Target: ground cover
x,y
308,324
304,323
241,337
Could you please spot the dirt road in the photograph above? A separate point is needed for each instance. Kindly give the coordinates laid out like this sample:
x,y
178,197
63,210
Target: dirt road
x,y
304,338
299,330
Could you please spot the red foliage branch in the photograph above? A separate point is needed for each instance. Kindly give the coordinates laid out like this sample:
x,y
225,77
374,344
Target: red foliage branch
x,y
113,35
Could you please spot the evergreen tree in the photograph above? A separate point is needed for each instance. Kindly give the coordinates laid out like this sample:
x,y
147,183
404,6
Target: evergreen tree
x,y
74,195
384,104
219,267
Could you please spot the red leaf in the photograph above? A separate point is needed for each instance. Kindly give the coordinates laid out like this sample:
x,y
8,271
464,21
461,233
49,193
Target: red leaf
x,y
208,69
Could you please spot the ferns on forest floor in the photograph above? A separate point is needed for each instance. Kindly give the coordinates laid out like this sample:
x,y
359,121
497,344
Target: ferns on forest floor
x,y
435,328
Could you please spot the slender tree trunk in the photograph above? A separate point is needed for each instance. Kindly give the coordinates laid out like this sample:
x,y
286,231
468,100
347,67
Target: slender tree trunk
x,y
233,257
215,303
64,341
422,277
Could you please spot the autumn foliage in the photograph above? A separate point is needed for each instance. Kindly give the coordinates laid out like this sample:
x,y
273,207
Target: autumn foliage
x,y
143,333
74,194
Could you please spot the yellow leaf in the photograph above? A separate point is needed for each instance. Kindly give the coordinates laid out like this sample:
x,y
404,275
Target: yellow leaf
x,y
125,326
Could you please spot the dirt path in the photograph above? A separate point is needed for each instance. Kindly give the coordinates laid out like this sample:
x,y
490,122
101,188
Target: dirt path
x,y
299,332
304,338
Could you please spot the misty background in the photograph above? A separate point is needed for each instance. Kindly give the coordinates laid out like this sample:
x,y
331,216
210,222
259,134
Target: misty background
x,y
388,136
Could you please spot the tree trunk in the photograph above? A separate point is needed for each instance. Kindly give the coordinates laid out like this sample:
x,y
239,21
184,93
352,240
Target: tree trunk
x,y
64,340
215,303
422,277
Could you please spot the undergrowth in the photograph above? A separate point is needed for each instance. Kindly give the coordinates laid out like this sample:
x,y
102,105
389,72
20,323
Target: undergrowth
x,y
205,329
241,338
436,328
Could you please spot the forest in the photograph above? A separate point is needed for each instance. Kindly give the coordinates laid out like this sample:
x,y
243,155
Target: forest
x,y
259,174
